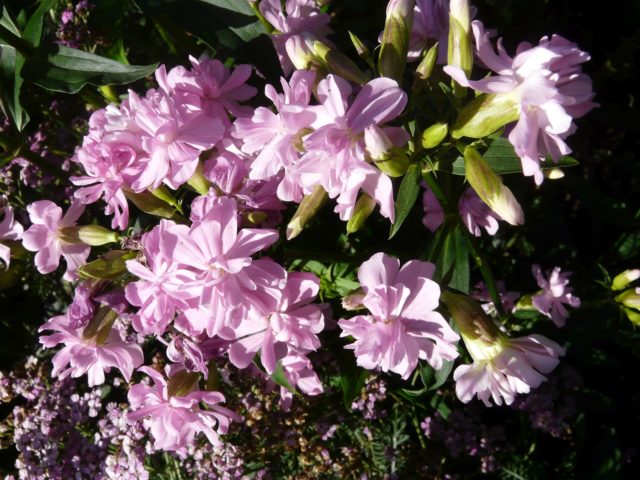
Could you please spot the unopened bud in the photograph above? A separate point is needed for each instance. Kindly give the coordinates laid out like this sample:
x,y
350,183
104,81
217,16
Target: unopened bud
x,y
434,135
361,49
630,298
632,315
490,188
353,301
389,159
338,63
485,115
99,327
553,173
300,51
309,206
460,52
426,65
182,383
198,181
150,203
93,235
470,317
110,266
364,207
395,39
623,279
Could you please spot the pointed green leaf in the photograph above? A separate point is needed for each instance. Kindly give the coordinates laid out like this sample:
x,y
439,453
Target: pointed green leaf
x,y
407,195
281,379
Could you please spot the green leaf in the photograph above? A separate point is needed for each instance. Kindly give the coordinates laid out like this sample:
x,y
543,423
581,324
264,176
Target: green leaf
x,y
11,63
250,31
280,378
502,159
67,70
111,266
407,195
238,6
33,30
452,265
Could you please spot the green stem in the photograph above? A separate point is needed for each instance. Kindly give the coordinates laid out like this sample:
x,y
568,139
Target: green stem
x,y
267,26
486,272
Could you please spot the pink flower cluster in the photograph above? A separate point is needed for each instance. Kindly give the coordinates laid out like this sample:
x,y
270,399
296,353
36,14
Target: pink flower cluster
x,y
9,230
549,87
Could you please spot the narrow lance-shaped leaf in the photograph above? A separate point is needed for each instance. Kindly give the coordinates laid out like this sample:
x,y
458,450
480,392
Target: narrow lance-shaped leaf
x,y
407,195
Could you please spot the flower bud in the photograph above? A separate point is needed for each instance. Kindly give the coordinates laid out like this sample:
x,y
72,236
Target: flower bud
x,y
353,301
361,49
338,63
426,65
623,279
389,159
198,181
150,203
460,52
485,115
110,266
364,207
309,206
434,135
490,188
632,315
300,51
93,235
100,325
630,298
182,383
395,39
470,317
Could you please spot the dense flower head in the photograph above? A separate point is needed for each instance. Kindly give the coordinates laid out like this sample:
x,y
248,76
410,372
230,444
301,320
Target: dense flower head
x,y
296,18
9,230
92,356
546,82
555,294
45,237
504,367
403,326
175,419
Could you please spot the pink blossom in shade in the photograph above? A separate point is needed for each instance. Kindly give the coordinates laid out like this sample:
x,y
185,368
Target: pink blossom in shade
x,y
44,237
173,135
274,137
403,326
298,17
434,215
430,25
336,151
555,294
228,284
175,420
505,368
79,356
9,230
508,298
157,292
476,214
549,86
294,323
211,86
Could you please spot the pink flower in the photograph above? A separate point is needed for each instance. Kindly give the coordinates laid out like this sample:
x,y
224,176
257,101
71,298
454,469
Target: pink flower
x,y
299,373
173,136
549,87
555,294
403,326
220,280
113,158
174,420
45,236
434,214
157,292
80,355
336,151
430,25
295,322
298,17
9,230
505,367
273,136
508,298
211,86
